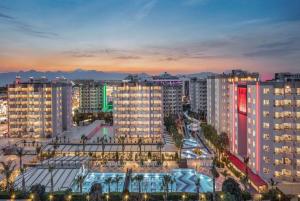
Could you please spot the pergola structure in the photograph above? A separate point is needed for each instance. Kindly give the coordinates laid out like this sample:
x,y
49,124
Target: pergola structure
x,y
108,151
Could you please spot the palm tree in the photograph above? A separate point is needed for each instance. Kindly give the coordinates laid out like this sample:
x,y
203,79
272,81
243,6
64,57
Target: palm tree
x,y
79,181
172,182
22,171
50,169
166,181
83,139
197,184
7,170
245,179
160,145
140,143
20,154
139,178
108,182
215,175
117,180
38,150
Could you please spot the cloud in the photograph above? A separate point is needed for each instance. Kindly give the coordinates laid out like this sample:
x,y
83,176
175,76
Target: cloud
x,y
145,10
128,57
2,15
25,27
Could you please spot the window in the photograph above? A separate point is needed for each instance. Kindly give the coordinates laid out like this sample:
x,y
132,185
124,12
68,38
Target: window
x,y
266,136
266,90
266,102
266,113
266,125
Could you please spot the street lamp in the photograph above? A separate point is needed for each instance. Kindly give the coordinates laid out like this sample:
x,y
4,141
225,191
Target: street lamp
x,y
183,197
279,196
259,196
222,196
13,196
126,197
87,197
145,196
31,196
107,197
50,197
69,197
202,197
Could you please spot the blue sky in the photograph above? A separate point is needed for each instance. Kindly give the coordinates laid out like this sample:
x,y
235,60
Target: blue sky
x,y
150,35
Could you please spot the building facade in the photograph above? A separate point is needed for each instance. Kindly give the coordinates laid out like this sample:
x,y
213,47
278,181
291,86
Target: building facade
x,y
138,109
218,88
35,108
269,132
90,96
198,95
172,93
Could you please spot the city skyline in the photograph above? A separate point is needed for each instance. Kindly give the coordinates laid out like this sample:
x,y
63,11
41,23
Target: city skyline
x,y
150,36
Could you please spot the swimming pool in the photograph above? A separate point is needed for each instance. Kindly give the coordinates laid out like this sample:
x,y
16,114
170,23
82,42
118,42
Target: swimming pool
x,y
184,181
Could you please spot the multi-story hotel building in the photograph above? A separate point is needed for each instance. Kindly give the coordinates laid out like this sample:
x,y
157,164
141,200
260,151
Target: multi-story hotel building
x,y
198,95
172,93
265,126
138,109
39,107
90,96
218,106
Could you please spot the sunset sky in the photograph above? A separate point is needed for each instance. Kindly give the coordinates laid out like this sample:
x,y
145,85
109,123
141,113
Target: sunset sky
x,y
178,36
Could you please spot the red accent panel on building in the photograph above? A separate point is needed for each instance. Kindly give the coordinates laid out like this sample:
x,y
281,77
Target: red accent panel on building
x,y
242,100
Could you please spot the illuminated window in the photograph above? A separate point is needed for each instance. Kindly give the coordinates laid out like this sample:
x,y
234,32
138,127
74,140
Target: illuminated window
x,y
266,90
266,113
266,125
266,102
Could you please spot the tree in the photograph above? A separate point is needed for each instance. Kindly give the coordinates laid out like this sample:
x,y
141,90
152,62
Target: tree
x,y
245,178
139,178
38,191
50,169
232,187
83,139
166,181
117,180
215,175
20,154
197,184
38,150
160,145
79,181
140,143
7,170
108,182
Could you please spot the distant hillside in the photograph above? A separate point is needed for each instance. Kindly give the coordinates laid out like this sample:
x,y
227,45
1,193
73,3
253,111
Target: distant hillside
x,y
9,77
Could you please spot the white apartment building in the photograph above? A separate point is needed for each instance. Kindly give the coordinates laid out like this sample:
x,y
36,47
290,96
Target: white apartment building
x,y
172,93
39,107
198,95
138,109
272,124
218,106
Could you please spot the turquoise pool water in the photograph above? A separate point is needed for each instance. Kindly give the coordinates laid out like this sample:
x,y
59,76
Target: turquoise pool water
x,y
184,181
